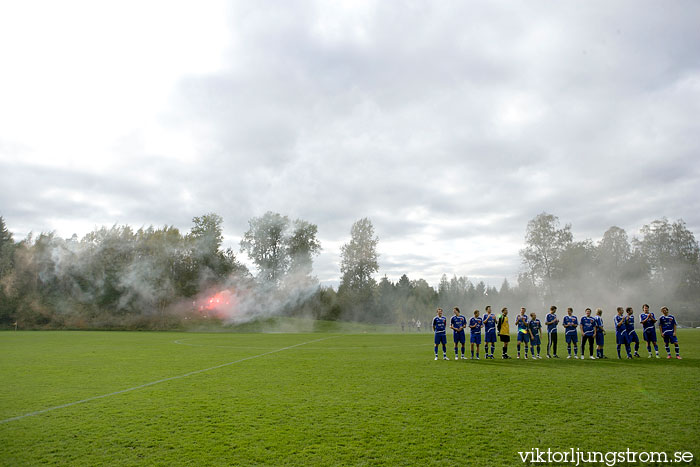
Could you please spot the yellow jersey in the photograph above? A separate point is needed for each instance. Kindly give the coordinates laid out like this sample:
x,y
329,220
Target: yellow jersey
x,y
505,328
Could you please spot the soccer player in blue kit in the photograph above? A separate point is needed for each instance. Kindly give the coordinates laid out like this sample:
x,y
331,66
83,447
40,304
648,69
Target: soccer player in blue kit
x,y
475,338
631,333
621,332
458,323
490,332
588,328
551,322
439,326
570,323
667,326
523,331
535,335
599,333
648,330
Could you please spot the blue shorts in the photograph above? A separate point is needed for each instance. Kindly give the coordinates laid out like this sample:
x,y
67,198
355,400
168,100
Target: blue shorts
x,y
650,335
536,340
599,338
490,336
632,337
572,337
523,336
475,339
459,337
441,339
621,339
670,338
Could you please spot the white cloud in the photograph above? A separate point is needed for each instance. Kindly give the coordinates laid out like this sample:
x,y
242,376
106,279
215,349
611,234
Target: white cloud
x,y
449,125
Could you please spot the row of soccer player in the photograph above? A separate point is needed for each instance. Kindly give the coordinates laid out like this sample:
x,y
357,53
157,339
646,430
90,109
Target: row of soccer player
x,y
530,332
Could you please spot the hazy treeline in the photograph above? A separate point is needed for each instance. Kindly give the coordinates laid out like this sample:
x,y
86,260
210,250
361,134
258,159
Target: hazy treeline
x,y
161,278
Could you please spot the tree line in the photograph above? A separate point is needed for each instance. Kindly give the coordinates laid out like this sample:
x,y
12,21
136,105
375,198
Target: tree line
x,y
151,278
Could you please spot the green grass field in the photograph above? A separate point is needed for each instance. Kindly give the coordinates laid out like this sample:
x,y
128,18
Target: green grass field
x,y
326,399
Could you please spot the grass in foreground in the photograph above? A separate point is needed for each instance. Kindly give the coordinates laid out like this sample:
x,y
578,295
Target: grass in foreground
x,y
346,399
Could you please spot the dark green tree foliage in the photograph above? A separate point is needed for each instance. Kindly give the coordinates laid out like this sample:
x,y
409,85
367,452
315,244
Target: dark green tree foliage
x,y
359,256
671,253
302,246
358,264
281,250
115,277
118,277
544,244
613,255
265,244
661,266
7,248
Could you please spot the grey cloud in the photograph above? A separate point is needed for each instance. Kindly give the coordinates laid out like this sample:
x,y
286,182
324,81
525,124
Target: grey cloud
x,y
468,112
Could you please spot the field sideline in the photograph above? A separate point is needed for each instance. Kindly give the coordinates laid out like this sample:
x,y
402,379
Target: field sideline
x,y
144,398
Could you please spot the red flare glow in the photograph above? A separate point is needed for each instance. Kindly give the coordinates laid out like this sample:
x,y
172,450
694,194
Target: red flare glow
x,y
219,305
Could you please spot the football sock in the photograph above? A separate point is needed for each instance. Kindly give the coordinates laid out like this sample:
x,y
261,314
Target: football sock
x,y
678,350
618,351
436,350
668,350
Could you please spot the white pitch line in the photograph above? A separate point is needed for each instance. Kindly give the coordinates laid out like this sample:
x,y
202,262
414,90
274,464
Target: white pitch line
x,y
376,347
38,412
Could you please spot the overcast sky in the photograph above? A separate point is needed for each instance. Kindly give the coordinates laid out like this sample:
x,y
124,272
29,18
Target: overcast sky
x,y
448,124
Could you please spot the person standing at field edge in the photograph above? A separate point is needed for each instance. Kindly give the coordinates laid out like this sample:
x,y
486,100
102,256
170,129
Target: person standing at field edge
x,y
621,333
475,325
667,326
535,335
588,328
631,333
599,333
490,332
570,323
504,331
458,323
647,321
439,328
551,322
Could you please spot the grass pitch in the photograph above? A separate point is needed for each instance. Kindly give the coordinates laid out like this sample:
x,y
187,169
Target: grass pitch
x,y
326,399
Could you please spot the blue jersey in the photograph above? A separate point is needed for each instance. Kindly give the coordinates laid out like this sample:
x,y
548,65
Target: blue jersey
x,y
649,323
553,320
490,323
598,322
570,323
477,323
535,326
620,327
629,323
666,323
458,322
521,321
439,324
588,325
